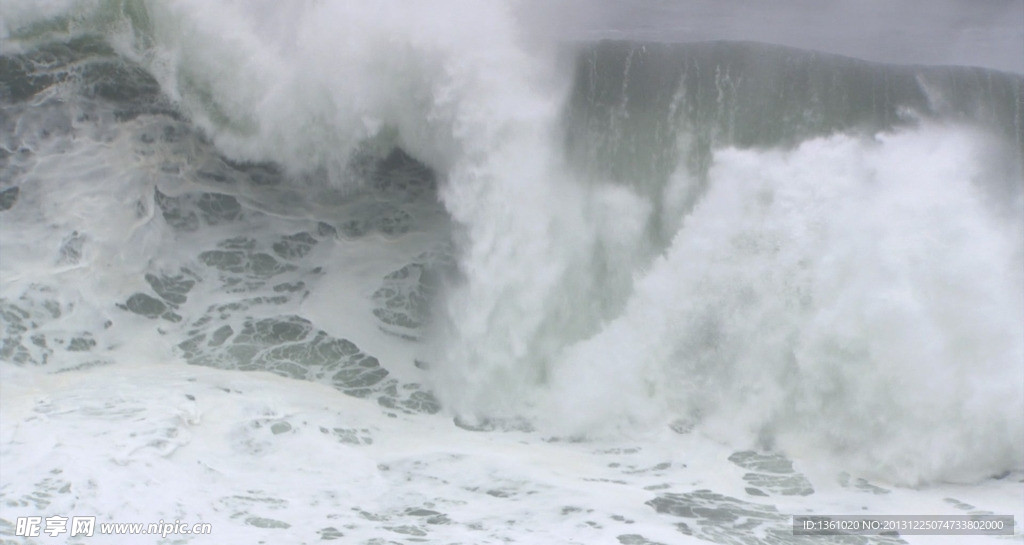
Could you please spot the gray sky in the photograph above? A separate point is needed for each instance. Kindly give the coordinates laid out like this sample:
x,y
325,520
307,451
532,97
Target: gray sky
x,y
986,33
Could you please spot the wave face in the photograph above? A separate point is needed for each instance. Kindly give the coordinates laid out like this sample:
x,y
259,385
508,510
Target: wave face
x,y
816,264
780,248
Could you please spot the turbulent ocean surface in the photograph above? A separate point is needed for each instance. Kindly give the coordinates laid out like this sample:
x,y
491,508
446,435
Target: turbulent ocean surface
x,y
313,271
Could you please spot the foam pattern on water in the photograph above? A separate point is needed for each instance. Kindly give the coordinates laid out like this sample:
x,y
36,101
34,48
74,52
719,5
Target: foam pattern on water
x,y
261,457
722,519
222,256
641,332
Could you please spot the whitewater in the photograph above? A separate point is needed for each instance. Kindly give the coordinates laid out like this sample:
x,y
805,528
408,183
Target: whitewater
x,y
398,273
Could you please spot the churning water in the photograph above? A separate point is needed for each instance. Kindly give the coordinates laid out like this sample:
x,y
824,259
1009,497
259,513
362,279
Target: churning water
x,y
496,289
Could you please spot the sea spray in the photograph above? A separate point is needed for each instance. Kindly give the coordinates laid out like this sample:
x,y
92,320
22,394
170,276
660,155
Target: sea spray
x,y
777,248
828,297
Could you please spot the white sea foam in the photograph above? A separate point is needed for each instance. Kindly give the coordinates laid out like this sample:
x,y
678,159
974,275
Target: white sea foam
x,y
869,273
855,297
852,301
259,456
